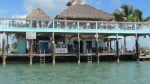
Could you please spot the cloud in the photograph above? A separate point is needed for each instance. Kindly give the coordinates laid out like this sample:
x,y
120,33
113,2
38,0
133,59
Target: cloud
x,y
116,2
19,16
51,7
98,2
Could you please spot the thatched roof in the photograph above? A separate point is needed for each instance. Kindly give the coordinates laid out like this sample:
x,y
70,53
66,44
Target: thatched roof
x,y
84,12
38,14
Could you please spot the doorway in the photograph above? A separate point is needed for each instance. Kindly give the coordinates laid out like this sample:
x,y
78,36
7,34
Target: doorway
x,y
81,46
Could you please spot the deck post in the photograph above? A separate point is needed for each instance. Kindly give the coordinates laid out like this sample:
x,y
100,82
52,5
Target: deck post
x,y
137,47
53,48
78,48
30,24
114,45
96,26
7,44
97,50
122,46
53,24
108,45
31,51
3,50
125,43
117,47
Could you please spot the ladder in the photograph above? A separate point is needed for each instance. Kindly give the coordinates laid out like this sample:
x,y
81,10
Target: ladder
x,y
42,57
89,57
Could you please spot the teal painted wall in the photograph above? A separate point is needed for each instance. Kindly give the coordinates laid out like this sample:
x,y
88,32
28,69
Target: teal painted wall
x,y
21,46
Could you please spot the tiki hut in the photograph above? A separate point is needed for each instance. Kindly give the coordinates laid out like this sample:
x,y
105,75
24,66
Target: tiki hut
x,y
39,17
38,14
39,20
77,10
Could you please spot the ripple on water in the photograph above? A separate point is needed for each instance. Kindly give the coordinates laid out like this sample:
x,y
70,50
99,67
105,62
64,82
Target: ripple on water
x,y
73,73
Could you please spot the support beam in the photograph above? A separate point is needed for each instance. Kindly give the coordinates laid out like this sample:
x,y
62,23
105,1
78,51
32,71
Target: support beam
x,y
108,45
125,43
97,49
31,51
78,48
117,47
7,44
53,48
114,45
137,47
122,46
3,50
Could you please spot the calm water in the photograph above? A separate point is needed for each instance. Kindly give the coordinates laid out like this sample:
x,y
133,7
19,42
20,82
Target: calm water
x,y
73,73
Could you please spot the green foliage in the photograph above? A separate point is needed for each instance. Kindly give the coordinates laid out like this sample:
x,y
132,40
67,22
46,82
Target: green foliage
x,y
128,14
144,49
146,19
14,45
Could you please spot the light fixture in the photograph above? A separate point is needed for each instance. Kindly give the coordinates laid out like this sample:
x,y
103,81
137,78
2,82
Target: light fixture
x,y
96,35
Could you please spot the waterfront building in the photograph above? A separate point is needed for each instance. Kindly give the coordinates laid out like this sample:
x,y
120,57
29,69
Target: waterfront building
x,y
79,30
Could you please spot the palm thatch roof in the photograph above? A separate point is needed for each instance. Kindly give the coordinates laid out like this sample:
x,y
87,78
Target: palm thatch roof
x,y
84,12
38,14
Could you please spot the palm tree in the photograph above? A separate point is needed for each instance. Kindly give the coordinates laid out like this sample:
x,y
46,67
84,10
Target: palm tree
x,y
147,19
137,15
124,13
128,14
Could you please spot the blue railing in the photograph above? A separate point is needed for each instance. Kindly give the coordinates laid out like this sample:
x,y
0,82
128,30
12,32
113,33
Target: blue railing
x,y
74,25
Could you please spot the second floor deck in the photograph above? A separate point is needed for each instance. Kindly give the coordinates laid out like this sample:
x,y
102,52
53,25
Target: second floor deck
x,y
73,26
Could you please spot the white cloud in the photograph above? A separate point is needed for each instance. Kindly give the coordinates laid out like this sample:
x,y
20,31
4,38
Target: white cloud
x,y
116,2
98,2
51,7
19,16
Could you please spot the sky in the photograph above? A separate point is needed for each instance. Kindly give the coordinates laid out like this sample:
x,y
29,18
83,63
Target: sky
x,y
21,8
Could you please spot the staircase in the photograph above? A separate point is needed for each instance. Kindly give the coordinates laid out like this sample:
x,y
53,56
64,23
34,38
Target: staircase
x,y
42,57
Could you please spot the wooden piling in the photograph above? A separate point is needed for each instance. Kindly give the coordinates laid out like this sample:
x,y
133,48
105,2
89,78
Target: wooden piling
x,y
78,44
7,47
31,51
137,47
117,47
108,44
124,42
3,50
53,48
97,49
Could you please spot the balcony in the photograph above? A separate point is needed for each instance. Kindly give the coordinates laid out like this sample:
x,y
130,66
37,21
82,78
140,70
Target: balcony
x,y
72,26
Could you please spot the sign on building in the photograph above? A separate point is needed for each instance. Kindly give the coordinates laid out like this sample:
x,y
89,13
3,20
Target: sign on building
x,y
30,35
61,48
